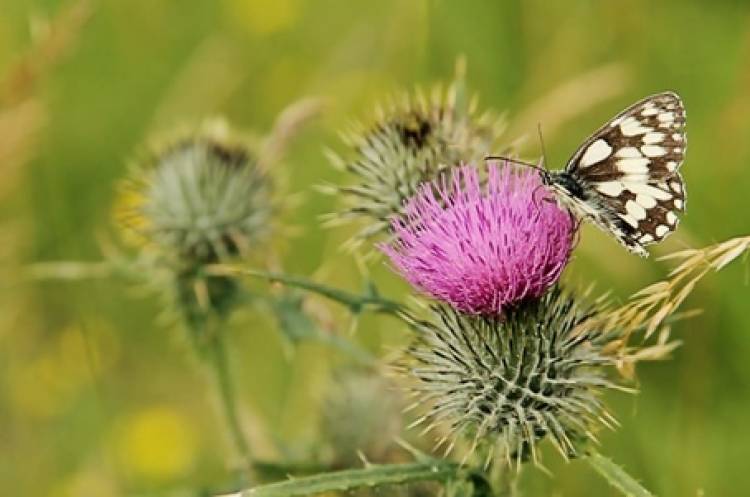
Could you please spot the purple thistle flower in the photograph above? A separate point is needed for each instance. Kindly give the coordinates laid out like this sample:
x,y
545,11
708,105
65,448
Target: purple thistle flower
x,y
479,248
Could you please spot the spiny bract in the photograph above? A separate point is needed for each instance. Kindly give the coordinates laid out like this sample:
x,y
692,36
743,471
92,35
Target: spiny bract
x,y
197,197
505,383
410,142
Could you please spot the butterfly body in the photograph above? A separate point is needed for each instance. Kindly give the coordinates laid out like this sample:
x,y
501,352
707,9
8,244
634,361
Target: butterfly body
x,y
625,178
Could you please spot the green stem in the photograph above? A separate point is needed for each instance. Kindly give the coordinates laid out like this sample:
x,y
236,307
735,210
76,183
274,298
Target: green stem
x,y
73,270
114,264
355,302
275,470
70,270
219,365
372,476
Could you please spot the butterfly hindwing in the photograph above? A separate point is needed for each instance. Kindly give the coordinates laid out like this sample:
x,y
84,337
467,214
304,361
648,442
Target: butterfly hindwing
x,y
646,213
627,172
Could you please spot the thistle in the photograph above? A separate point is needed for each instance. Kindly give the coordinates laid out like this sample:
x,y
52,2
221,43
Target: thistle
x,y
361,416
194,199
410,141
482,248
504,384
197,197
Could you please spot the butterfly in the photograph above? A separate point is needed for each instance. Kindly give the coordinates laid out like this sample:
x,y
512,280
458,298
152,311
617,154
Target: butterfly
x,y
625,177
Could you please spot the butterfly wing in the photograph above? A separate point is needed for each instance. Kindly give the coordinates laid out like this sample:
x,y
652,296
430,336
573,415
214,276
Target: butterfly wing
x,y
628,171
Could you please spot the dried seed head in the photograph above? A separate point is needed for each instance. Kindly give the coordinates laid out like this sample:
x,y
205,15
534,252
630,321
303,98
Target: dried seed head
x,y
410,142
197,197
506,383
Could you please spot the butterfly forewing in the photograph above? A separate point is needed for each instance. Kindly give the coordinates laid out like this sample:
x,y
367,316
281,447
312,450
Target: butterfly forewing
x,y
628,170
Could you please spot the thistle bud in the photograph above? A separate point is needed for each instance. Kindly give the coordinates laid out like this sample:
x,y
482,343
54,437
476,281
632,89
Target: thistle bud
x,y
410,142
197,198
193,199
506,383
361,415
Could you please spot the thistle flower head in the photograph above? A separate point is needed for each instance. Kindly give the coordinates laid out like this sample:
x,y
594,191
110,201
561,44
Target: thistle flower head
x,y
506,383
411,142
482,248
198,197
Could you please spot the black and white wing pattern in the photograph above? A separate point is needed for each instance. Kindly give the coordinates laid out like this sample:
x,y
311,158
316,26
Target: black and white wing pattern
x,y
625,177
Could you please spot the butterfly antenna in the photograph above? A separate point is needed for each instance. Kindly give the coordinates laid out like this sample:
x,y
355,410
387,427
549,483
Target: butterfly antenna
x,y
516,161
541,143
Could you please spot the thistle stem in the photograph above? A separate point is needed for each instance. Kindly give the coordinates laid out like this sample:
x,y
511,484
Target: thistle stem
x,y
371,476
70,270
219,366
355,302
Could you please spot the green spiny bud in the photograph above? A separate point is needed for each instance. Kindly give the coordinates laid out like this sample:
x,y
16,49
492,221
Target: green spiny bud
x,y
361,414
410,141
197,197
505,383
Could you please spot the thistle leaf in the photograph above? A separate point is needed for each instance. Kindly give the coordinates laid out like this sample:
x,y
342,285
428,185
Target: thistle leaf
x,y
617,477
373,476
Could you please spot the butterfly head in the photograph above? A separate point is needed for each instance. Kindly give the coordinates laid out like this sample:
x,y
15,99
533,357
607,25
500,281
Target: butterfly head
x,y
545,176
563,182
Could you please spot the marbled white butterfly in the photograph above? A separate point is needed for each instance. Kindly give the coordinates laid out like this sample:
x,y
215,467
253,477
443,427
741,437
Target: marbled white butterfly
x,y
625,177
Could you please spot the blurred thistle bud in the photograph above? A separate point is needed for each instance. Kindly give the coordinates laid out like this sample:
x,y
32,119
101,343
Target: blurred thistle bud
x,y
503,384
411,141
361,414
361,421
196,198
482,246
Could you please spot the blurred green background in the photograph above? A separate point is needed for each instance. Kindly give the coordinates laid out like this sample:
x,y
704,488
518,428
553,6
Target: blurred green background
x,y
97,398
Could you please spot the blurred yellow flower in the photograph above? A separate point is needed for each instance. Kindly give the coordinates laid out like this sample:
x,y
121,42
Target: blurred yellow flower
x,y
263,17
157,443
128,204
